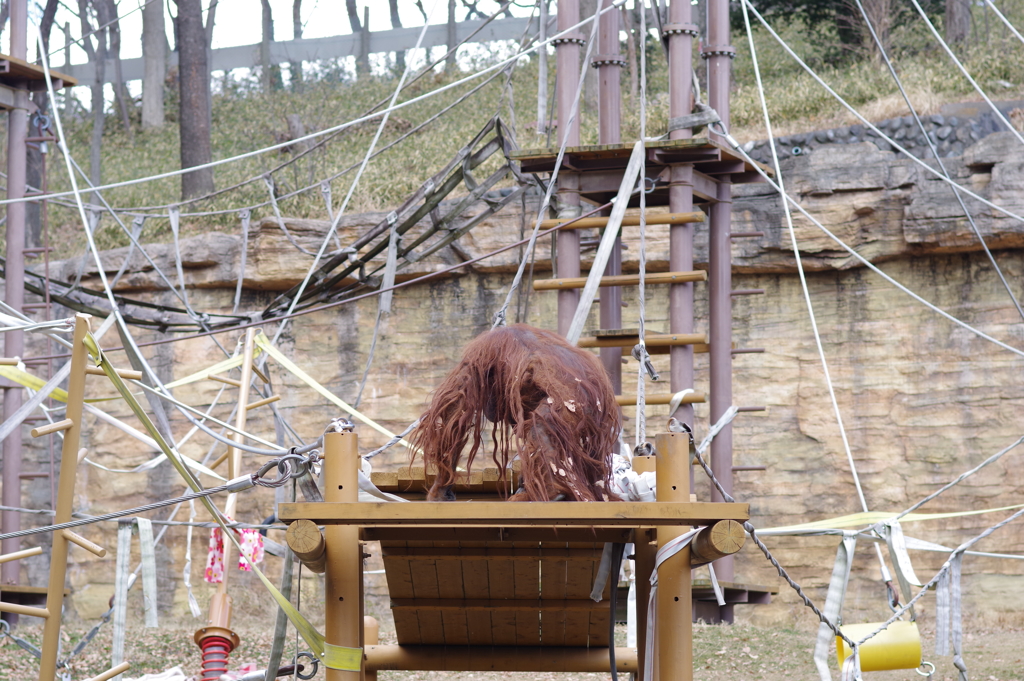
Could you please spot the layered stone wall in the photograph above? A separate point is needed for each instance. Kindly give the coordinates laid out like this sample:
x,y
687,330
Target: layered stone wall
x,y
922,399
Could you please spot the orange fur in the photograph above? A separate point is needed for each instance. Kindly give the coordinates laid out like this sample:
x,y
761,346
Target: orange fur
x,y
549,403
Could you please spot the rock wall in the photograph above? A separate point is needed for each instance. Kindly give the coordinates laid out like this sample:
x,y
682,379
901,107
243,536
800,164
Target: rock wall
x,y
922,399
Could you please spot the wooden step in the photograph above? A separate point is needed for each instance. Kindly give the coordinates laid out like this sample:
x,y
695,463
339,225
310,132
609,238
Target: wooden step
x,y
652,340
621,280
628,221
665,398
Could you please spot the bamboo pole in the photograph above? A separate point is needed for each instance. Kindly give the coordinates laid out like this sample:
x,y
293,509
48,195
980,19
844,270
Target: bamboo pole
x,y
674,627
65,499
343,624
234,455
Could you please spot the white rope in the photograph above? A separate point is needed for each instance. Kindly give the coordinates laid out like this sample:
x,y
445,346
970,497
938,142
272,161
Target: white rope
x,y
641,346
351,191
342,126
1005,20
966,74
563,131
804,288
871,126
864,261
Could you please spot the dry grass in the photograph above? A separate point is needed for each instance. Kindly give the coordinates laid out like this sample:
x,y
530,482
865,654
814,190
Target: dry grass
x,y
721,653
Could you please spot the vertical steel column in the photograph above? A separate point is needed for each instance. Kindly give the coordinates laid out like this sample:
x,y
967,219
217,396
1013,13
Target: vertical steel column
x,y
567,242
14,287
680,67
674,628
719,55
343,619
609,63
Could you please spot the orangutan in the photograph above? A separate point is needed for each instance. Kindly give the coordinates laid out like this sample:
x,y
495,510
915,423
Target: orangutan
x,y
550,404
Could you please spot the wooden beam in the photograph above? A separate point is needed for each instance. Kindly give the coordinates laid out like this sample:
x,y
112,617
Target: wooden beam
x,y
629,220
621,280
225,379
51,428
476,553
111,673
306,541
664,398
24,553
724,538
500,514
621,535
652,340
488,658
127,374
533,605
264,401
26,610
92,548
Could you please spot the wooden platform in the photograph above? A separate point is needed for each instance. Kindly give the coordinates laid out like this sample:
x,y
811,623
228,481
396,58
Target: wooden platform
x,y
600,167
14,71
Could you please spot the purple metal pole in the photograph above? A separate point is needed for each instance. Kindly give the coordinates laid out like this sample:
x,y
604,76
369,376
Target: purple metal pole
x,y
608,63
567,242
719,61
680,197
14,288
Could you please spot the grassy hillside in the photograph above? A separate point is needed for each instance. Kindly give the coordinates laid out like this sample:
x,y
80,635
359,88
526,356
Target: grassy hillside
x,y
246,119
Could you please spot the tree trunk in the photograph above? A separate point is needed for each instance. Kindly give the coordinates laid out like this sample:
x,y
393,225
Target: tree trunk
x,y
453,39
97,55
194,99
631,38
396,22
120,91
211,16
363,60
958,21
266,78
154,57
295,67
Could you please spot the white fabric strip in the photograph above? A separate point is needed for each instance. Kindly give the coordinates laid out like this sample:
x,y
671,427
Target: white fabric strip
x,y
834,602
148,555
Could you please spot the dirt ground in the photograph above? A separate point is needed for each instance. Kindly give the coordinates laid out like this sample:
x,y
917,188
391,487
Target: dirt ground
x,y
742,651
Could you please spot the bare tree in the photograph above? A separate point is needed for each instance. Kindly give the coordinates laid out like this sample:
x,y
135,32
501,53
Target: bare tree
x,y
5,13
453,39
266,77
154,56
107,16
363,60
958,21
295,67
396,22
194,99
95,45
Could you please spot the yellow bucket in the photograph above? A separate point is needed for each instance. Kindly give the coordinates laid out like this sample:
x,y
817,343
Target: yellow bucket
x,y
898,646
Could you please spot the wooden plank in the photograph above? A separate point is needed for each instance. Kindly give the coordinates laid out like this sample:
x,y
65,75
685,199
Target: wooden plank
x,y
491,604
497,513
475,586
501,586
424,586
627,221
469,534
552,588
621,280
652,340
579,581
527,588
598,625
665,398
529,551
449,586
396,569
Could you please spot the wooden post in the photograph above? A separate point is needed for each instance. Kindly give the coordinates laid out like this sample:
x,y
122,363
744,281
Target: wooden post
x,y
674,627
235,454
371,636
65,500
644,552
344,585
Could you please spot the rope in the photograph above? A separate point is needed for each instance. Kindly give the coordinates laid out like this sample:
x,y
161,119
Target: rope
x,y
868,124
499,316
803,282
640,350
864,261
935,153
320,133
393,441
966,74
1005,20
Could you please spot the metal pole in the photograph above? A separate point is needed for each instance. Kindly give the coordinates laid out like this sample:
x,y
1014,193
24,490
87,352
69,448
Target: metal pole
x,y
14,287
680,68
542,70
609,62
719,56
567,242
